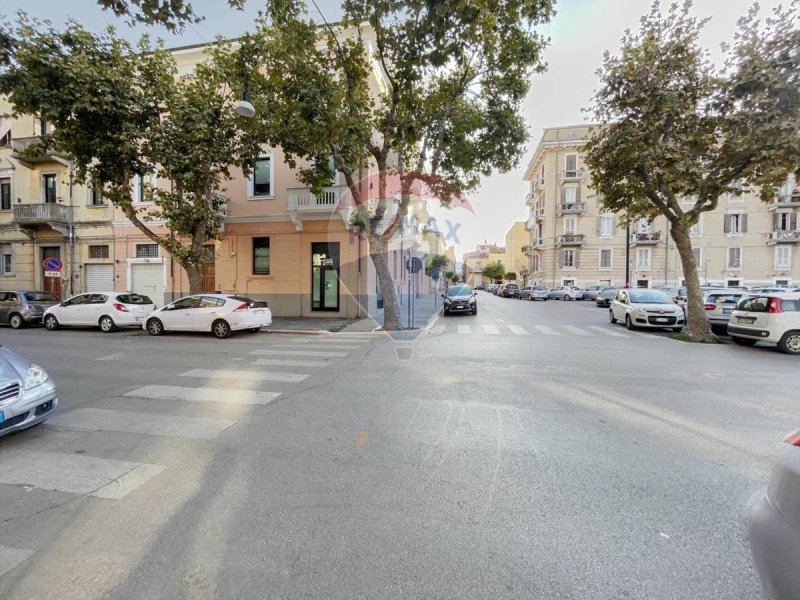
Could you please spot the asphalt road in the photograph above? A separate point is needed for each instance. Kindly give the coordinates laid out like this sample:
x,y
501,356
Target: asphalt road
x,y
531,451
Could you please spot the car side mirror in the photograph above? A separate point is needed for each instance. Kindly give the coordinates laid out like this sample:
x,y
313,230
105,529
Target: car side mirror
x,y
442,295
62,303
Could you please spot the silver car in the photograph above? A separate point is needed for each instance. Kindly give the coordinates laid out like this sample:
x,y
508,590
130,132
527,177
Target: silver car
x,y
27,394
538,292
719,305
22,308
775,526
565,292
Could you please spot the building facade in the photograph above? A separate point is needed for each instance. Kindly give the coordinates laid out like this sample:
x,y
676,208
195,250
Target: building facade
x,y
515,260
573,241
473,263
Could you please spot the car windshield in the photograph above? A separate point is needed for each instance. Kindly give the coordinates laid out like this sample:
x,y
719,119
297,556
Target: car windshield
x,y
40,297
649,297
458,290
609,293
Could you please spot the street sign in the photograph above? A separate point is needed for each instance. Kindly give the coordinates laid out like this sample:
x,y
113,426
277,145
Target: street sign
x,y
52,264
414,265
52,274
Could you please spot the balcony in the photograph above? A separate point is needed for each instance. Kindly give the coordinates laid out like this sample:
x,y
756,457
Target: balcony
x,y
780,236
529,249
32,215
21,146
302,204
645,239
570,239
573,175
786,201
571,208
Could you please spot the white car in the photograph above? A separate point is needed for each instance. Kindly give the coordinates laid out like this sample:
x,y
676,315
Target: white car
x,y
646,308
107,310
220,314
770,317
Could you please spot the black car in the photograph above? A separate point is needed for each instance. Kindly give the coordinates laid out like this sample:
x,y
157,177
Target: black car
x,y
459,298
605,297
511,290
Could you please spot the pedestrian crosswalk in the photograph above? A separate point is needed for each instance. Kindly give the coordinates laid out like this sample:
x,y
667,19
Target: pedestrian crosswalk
x,y
551,330
266,373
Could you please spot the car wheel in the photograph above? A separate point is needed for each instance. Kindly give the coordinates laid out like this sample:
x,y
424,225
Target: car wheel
x,y
566,297
254,329
445,312
106,324
220,329
611,317
790,342
629,324
51,323
16,321
743,341
475,311
155,327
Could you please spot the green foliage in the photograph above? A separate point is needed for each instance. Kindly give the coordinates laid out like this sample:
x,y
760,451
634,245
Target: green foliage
x,y
434,262
494,271
120,111
510,276
173,15
452,276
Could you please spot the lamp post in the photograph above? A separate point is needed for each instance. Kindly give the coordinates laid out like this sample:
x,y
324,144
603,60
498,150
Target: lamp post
x,y
244,107
628,256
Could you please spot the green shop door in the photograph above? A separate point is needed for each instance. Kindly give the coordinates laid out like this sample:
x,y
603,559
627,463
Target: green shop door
x,y
325,276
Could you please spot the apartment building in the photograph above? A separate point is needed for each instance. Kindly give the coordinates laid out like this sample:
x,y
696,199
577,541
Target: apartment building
x,y
515,260
573,241
473,263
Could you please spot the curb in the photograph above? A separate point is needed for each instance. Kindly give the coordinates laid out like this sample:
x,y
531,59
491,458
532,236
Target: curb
x,y
297,331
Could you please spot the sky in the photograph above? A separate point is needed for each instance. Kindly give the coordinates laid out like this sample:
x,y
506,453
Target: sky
x,y
579,34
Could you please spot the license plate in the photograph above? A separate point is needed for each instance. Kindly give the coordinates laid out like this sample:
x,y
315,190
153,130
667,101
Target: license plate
x,y
747,320
662,320
727,311
258,312
2,417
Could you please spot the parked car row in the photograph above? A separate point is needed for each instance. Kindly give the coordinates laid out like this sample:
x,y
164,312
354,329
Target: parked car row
x,y
219,314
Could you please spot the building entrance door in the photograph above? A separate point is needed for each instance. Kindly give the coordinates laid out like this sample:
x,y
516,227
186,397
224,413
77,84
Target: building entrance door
x,y
325,276
51,284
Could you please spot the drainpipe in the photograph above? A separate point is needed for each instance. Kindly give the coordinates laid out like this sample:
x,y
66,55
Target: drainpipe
x,y
71,234
666,254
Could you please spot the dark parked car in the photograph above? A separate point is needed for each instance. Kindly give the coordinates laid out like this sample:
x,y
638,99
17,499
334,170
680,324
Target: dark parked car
x,y
459,298
775,526
605,297
19,309
511,290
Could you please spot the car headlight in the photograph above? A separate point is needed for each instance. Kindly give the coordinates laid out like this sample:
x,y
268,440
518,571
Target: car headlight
x,y
447,301
36,376
472,301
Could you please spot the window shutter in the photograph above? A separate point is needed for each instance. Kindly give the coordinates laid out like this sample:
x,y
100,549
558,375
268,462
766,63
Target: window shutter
x,y
614,225
726,224
561,258
599,220
575,258
744,222
793,222
577,194
563,196
776,221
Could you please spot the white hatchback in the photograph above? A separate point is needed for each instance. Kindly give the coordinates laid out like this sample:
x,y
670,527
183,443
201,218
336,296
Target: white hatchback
x,y
220,314
646,308
107,310
770,317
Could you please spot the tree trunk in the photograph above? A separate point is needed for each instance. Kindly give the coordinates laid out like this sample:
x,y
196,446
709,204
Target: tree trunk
x,y
698,327
195,280
391,311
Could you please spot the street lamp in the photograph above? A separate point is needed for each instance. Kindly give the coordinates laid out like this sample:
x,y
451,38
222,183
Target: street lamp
x,y
244,107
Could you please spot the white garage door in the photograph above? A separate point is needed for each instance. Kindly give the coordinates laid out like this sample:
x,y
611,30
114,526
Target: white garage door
x,y
148,279
99,278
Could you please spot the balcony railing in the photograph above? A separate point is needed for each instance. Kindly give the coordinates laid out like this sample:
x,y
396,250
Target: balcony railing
x,y
787,200
571,208
20,147
782,236
652,237
573,175
39,214
301,199
570,239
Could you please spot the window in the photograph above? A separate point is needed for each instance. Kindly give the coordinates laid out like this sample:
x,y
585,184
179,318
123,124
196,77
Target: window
x,y
734,283
211,302
541,175
782,282
134,299
570,225
260,182
5,193
261,256
43,127
783,257
734,258
697,228
644,226
785,221
144,187
186,303
605,226
570,195
6,264
643,258
698,256
49,188
571,165
96,196
568,282
605,258
98,251
568,258
146,250
605,282
735,223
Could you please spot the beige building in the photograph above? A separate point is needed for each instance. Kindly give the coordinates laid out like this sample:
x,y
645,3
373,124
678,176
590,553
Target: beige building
x,y
572,240
473,263
515,260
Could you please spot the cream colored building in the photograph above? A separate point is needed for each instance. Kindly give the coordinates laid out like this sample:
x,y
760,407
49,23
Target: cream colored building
x,y
515,260
572,240
473,263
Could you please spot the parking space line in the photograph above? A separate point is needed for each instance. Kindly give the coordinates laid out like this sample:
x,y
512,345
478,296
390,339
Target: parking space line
x,y
320,347
545,330
95,419
326,341
576,330
464,329
11,558
227,396
606,331
248,375
491,329
277,362
316,353
519,330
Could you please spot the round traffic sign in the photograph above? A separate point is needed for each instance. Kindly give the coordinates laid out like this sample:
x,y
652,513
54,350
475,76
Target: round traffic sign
x,y
52,264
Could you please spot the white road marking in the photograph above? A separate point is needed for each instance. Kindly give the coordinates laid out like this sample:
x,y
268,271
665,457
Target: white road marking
x,y
491,329
11,558
115,356
327,341
174,392
277,362
545,330
519,330
248,375
464,329
325,347
95,419
606,331
88,475
576,330
300,353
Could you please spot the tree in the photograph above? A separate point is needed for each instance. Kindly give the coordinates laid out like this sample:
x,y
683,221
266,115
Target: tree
x,y
494,271
510,276
173,15
121,112
455,77
672,125
435,263
453,276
